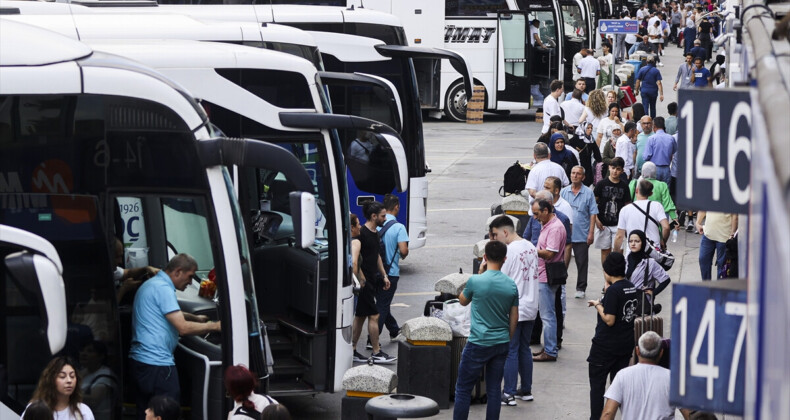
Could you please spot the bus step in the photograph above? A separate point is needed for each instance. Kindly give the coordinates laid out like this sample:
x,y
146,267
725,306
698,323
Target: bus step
x,y
288,386
288,366
279,343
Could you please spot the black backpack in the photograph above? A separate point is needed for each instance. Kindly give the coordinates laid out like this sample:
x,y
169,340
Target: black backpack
x,y
515,180
243,411
386,259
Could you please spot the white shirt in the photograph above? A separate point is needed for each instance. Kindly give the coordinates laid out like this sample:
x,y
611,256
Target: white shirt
x,y
532,32
521,265
643,392
576,59
630,38
573,110
539,173
66,413
550,108
592,119
652,21
603,126
589,67
565,207
625,149
260,402
654,30
631,218
640,14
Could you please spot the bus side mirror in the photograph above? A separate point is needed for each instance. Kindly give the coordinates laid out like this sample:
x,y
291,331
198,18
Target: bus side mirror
x,y
303,213
39,277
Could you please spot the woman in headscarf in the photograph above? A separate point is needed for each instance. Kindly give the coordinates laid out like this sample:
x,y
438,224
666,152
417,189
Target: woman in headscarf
x,y
589,152
644,272
560,154
689,35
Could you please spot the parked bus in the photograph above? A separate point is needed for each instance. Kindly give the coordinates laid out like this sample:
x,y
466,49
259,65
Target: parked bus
x,y
496,37
88,138
352,54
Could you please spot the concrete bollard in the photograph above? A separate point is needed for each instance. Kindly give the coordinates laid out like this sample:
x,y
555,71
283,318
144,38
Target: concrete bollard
x,y
363,383
452,284
424,359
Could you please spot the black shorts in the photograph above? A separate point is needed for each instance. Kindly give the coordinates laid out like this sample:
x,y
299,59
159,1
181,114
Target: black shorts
x,y
366,304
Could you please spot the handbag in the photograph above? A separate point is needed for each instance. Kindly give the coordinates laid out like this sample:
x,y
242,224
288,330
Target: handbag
x,y
664,258
556,273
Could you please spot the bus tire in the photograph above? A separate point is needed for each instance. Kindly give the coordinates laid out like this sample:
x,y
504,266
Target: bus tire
x,y
455,102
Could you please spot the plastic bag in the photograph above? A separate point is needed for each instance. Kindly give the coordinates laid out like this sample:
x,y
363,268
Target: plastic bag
x,y
459,317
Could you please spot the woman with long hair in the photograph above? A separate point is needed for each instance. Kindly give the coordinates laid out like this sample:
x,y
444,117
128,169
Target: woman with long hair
x,y
240,384
595,109
59,388
637,112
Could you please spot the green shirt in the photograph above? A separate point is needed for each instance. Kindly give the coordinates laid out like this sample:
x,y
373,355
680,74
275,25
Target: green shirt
x,y
492,294
660,194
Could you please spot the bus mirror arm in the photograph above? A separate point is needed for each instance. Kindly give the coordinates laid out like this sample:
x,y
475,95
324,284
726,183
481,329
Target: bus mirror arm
x,y
255,154
39,276
336,121
456,60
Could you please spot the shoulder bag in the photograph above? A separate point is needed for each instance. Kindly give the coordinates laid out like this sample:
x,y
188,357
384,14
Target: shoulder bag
x,y
664,258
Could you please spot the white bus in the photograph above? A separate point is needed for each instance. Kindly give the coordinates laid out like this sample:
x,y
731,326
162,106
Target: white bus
x,y
88,138
33,304
349,53
496,38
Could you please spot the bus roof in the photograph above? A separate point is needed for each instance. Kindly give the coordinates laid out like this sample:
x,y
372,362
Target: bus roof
x,y
25,45
156,23
294,13
162,54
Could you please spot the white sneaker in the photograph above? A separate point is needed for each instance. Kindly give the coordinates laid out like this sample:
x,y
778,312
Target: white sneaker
x,y
382,358
660,64
579,294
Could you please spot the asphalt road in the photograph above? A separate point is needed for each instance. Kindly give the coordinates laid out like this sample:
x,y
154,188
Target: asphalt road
x,y
468,162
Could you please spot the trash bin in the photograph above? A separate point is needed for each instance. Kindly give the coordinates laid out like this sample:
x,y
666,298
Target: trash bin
x,y
402,406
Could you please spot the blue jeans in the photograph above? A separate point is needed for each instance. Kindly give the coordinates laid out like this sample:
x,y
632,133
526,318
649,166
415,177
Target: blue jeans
x,y
473,360
649,102
519,359
549,318
663,174
706,249
383,301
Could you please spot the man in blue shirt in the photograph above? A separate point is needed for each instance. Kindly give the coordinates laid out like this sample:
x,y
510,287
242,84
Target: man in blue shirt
x,y
648,83
396,246
660,149
494,299
698,51
700,76
157,321
585,210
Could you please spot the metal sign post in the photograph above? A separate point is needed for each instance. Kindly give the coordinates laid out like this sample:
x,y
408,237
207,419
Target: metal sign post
x,y
617,26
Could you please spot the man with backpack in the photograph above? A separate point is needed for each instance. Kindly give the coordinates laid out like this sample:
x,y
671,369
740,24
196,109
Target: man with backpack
x,y
394,246
375,278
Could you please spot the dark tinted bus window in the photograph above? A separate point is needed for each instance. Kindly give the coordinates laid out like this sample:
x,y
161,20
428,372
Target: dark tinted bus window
x,y
473,7
268,85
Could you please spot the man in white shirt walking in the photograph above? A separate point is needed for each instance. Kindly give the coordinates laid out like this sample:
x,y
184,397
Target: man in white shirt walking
x,y
541,170
626,149
589,68
551,105
642,390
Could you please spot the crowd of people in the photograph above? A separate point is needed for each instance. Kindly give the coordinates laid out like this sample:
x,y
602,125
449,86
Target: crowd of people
x,y
603,175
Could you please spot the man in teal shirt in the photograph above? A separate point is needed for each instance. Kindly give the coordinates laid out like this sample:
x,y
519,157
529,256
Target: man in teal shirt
x,y
494,299
396,246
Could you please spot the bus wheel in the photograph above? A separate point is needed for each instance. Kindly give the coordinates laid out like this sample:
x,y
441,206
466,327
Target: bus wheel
x,y
455,102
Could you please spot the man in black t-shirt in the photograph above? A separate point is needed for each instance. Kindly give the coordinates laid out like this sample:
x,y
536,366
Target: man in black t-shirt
x,y
375,276
611,194
613,342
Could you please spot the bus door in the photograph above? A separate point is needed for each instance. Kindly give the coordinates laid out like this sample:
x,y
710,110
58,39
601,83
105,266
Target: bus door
x,y
576,35
514,65
546,62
